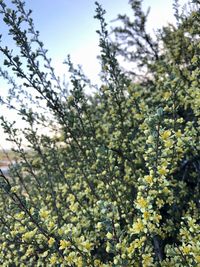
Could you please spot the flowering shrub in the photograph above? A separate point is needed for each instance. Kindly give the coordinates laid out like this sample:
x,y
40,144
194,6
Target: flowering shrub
x,y
116,182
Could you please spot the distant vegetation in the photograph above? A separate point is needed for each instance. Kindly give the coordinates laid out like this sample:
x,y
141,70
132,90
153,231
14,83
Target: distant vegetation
x,y
6,156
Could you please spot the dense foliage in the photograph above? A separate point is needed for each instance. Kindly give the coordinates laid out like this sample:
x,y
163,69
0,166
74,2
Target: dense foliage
x,y
114,180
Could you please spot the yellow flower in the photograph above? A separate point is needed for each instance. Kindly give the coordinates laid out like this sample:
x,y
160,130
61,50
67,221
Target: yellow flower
x,y
97,263
71,257
137,243
147,260
131,249
29,235
74,207
156,218
64,244
186,249
53,259
162,170
21,229
109,235
86,245
32,210
60,231
159,203
178,133
148,179
141,203
197,258
108,247
167,95
29,251
44,254
44,213
168,143
19,216
166,190
99,226
146,215
138,227
79,262
166,134
150,139
51,241
71,198
51,225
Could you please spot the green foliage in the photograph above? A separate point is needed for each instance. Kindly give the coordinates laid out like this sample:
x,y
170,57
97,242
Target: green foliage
x,y
115,180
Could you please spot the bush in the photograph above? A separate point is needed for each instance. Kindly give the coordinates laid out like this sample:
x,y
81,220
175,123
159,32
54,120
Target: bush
x,y
115,180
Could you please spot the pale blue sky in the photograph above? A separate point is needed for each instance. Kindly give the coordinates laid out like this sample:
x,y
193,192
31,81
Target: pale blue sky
x,y
68,27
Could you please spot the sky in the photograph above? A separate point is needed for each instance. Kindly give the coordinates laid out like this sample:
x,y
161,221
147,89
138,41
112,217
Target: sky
x,y
68,27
